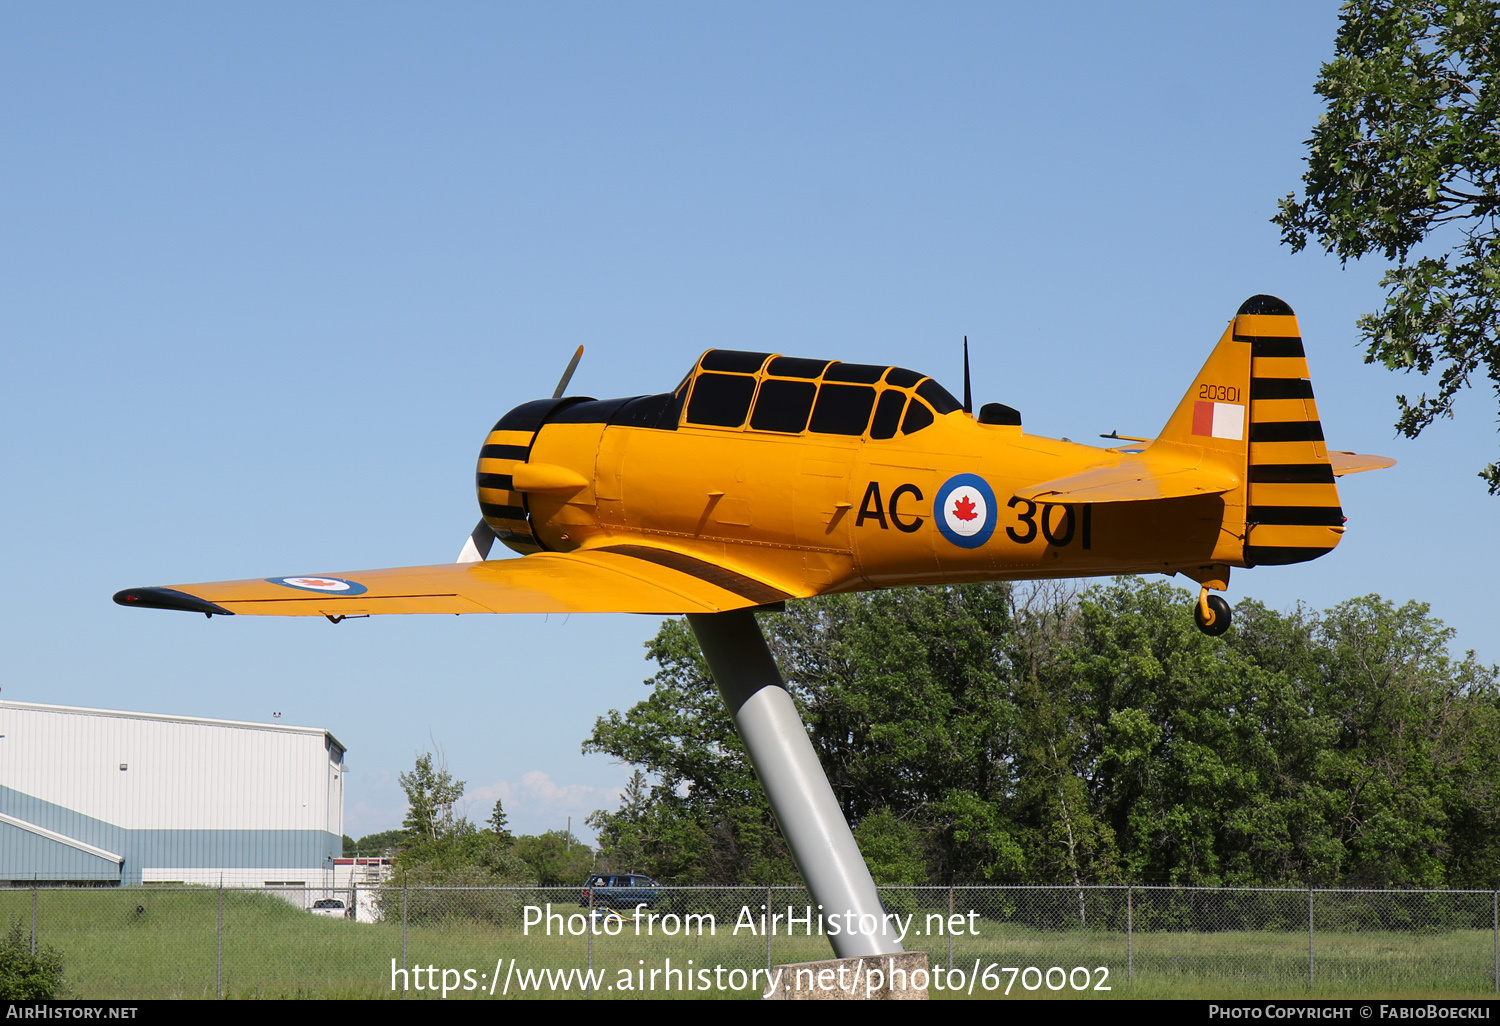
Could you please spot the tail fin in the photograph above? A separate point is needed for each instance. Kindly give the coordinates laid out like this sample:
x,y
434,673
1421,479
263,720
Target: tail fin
x,y
1250,410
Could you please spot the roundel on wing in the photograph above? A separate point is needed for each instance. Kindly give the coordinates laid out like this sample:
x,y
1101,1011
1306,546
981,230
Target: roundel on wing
x,y
964,510
324,585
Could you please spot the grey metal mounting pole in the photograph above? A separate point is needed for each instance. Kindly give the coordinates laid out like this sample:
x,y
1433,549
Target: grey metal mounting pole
x,y
794,780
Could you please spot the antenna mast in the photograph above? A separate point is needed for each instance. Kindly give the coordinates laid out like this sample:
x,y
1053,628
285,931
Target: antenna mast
x,y
968,397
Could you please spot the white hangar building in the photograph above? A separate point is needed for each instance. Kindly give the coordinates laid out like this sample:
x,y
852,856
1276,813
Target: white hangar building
x,y
93,795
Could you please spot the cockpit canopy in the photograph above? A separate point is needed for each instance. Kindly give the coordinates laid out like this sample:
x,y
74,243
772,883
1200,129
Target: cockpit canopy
x,y
790,395
765,392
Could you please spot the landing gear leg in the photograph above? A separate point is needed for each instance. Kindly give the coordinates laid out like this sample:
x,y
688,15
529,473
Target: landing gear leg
x,y
1212,613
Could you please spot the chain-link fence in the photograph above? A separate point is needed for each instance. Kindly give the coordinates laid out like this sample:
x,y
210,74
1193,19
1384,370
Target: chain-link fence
x,y
422,942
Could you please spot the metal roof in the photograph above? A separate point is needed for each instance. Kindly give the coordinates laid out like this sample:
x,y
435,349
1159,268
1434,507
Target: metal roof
x,y
169,718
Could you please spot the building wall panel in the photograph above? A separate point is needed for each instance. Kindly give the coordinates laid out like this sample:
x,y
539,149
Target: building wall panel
x,y
166,791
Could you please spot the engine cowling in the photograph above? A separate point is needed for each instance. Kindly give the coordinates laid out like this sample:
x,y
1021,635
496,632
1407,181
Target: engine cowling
x,y
506,451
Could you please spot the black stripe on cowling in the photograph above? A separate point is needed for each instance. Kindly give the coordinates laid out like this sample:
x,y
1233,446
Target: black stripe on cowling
x,y
1272,345
494,481
1298,516
1286,431
1281,555
710,573
516,513
505,452
1280,388
1291,473
169,598
527,416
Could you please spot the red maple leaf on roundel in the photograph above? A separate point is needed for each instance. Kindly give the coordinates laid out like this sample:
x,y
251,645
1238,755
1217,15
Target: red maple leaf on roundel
x,y
964,509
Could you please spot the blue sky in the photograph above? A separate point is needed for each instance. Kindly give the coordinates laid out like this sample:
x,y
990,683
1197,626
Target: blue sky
x,y
271,271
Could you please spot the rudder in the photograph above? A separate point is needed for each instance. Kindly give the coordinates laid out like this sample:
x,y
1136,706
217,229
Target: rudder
x,y
1293,511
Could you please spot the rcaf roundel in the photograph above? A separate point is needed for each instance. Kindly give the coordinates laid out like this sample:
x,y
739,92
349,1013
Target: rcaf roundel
x,y
965,510
324,585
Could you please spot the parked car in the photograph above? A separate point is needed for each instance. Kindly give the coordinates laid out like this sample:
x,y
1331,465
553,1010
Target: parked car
x,y
332,907
620,890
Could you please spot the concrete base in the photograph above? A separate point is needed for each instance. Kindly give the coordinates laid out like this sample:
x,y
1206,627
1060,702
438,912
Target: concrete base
x,y
873,978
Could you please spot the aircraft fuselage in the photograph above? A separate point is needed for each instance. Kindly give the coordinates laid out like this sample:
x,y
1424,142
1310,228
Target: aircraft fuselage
x,y
817,511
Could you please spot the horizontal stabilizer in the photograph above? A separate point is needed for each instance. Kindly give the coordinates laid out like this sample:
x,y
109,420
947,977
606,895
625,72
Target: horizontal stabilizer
x,y
1354,463
1131,481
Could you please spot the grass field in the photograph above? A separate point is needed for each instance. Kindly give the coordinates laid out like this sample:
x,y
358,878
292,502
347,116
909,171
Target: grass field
x,y
141,943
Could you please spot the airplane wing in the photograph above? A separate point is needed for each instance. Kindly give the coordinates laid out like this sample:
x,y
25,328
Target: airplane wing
x,y
1354,463
1131,481
611,579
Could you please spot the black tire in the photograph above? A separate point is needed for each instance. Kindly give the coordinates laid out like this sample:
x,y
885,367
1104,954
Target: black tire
x,y
1221,613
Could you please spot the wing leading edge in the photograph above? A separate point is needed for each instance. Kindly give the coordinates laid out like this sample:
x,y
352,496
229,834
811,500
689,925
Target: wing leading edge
x,y
610,579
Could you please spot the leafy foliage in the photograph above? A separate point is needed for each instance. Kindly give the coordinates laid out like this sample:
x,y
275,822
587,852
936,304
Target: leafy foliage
x,y
892,849
1408,152
478,858
375,844
555,858
497,822
27,976
1040,737
430,794
439,850
475,859
706,818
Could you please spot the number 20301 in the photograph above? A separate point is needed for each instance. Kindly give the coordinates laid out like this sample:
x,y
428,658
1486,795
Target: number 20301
x,y
1219,393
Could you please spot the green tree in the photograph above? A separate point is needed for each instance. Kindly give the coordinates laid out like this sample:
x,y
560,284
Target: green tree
x,y
470,861
625,834
892,849
556,858
636,799
1407,153
430,794
1056,760
479,858
1342,748
1036,736
1414,756
375,844
441,851
497,822
708,820
643,835
905,695
1165,743
909,696
26,975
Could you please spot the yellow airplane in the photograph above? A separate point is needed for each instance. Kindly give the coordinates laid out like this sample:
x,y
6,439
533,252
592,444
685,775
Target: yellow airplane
x,y
763,478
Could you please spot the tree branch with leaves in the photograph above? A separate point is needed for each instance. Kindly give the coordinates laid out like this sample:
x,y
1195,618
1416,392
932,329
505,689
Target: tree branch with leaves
x,y
1406,157
431,792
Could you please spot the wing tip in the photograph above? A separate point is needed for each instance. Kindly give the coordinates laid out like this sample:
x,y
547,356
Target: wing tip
x,y
1345,463
167,598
